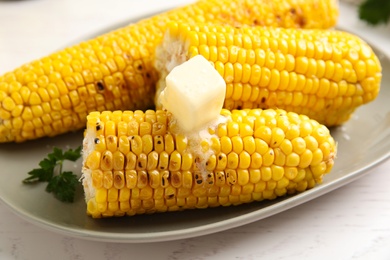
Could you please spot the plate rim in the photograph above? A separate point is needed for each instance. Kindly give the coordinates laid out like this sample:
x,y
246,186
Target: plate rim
x,y
161,236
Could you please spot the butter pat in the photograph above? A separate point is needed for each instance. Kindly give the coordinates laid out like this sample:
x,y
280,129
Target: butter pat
x,y
194,94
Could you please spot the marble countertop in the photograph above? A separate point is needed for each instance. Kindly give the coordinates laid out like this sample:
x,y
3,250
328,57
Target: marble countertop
x,y
352,222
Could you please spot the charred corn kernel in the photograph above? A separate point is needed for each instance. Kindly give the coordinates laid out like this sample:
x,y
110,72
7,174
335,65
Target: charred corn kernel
x,y
319,73
115,70
131,179
97,178
93,160
131,161
107,179
119,180
118,160
179,173
211,163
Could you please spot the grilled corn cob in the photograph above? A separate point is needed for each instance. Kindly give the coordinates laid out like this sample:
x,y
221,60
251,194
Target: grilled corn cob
x,y
324,74
139,162
53,95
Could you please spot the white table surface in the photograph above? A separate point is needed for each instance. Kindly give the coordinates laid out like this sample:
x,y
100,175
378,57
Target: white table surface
x,y
352,222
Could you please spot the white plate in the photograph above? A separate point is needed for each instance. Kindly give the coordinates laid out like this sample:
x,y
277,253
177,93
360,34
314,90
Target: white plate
x,y
363,142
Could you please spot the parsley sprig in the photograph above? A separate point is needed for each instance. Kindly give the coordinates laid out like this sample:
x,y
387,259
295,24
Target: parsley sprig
x,y
61,184
375,12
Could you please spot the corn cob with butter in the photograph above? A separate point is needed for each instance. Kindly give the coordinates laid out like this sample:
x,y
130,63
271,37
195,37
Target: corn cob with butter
x,y
137,162
324,74
53,95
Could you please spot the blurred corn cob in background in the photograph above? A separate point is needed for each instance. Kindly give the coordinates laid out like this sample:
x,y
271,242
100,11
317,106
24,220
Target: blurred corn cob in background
x,y
137,162
324,74
53,95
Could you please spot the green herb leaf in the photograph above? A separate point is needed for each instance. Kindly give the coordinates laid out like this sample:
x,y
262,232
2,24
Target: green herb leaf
x,y
73,155
61,184
56,155
38,175
375,11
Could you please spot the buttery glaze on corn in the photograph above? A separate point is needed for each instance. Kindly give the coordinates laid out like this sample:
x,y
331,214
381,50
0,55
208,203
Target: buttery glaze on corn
x,y
53,95
324,74
138,162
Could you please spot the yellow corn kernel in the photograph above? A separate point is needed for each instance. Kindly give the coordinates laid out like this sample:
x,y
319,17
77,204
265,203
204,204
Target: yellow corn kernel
x,y
249,144
211,163
131,178
106,161
244,160
136,144
93,160
181,143
264,133
215,145
232,160
237,144
119,179
97,178
292,159
226,144
108,179
169,143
